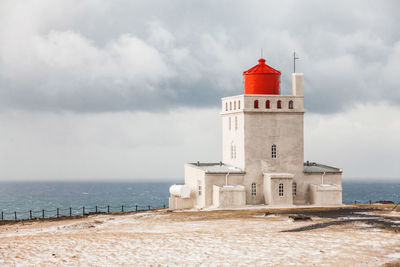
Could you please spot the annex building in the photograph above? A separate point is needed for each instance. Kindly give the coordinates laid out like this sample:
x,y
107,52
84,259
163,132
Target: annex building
x,y
262,153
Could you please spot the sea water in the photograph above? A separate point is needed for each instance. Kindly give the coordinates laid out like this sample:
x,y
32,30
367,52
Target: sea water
x,y
23,197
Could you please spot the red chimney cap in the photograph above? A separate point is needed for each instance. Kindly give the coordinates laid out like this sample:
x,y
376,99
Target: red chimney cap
x,y
261,68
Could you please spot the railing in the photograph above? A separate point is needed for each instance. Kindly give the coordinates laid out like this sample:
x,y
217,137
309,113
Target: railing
x,y
379,201
72,212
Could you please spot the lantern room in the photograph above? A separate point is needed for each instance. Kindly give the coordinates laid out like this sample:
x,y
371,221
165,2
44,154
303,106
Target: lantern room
x,y
261,80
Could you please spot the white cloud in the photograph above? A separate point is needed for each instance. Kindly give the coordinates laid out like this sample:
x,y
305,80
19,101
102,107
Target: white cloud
x,y
97,56
113,146
364,141
68,54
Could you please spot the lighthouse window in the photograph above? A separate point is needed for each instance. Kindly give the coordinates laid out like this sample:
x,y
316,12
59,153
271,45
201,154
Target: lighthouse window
x,y
255,103
239,104
230,123
294,187
267,104
279,104
230,105
233,151
234,105
226,106
253,189
236,123
291,104
200,189
273,151
281,190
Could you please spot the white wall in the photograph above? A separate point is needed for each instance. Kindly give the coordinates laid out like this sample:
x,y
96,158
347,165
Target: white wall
x,y
261,129
303,191
271,190
195,176
225,197
325,195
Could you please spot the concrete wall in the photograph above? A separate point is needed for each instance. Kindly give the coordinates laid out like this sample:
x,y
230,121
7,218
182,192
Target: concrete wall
x,y
235,137
271,190
219,180
261,132
303,186
325,194
177,203
267,190
195,177
261,129
229,196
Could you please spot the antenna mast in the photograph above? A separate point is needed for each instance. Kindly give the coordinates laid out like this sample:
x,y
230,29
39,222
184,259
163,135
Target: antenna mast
x,y
294,61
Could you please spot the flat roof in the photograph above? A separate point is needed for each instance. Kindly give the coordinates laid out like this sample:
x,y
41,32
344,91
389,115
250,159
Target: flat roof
x,y
222,168
218,168
313,167
279,175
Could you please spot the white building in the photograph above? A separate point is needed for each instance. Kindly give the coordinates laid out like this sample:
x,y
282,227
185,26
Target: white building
x,y
262,153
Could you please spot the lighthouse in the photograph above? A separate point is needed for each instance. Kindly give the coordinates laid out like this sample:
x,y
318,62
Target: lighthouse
x,y
262,152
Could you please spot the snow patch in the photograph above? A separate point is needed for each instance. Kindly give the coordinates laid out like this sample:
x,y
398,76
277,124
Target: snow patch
x,y
394,255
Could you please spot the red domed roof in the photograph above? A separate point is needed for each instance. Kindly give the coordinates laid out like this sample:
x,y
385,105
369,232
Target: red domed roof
x,y
262,68
261,80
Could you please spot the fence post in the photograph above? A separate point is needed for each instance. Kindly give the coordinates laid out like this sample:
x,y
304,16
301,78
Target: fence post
x,y
58,212
96,209
355,201
164,206
70,212
30,214
108,209
149,206
136,207
122,208
43,214
2,216
83,211
15,215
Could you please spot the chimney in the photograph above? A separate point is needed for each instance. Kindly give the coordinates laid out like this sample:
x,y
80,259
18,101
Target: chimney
x,y
298,84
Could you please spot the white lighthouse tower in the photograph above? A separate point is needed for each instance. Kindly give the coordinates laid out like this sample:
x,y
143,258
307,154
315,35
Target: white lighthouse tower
x,y
262,152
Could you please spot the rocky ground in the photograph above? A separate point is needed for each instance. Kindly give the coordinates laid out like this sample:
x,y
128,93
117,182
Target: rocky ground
x,y
350,236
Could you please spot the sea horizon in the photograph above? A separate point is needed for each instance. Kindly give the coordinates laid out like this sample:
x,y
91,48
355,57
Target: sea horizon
x,y
25,196
174,180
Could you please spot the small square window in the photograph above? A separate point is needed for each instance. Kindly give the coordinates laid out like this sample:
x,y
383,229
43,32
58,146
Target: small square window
x,y
294,187
236,123
253,189
273,151
281,190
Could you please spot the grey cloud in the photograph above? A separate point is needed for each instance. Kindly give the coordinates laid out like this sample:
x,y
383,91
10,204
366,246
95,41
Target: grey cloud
x,y
87,56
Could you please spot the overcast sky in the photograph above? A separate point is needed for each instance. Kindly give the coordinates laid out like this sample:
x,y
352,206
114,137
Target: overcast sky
x,y
125,90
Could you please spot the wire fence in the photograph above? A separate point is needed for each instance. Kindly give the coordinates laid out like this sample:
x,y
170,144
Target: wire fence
x,y
72,212
87,210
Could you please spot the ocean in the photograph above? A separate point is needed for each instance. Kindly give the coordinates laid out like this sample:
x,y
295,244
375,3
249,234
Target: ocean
x,y
23,197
